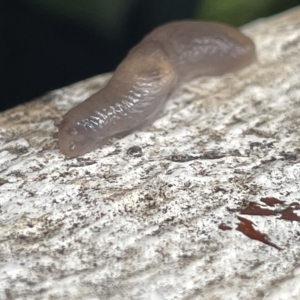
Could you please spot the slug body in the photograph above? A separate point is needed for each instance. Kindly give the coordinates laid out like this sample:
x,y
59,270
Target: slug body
x,y
169,56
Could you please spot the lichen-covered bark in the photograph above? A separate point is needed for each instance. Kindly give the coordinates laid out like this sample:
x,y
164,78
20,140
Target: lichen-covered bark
x,y
171,217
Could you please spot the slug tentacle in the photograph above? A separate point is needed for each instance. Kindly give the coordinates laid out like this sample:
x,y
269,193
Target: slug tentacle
x,y
162,61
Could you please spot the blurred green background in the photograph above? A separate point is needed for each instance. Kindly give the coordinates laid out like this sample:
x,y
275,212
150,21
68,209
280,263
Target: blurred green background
x,y
47,44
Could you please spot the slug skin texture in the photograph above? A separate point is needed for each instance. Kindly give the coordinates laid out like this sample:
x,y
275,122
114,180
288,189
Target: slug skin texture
x,y
166,58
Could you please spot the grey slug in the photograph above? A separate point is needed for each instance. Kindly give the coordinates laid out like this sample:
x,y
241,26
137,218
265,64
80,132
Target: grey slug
x,y
167,57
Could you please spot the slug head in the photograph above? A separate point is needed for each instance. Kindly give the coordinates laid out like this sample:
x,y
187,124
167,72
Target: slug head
x,y
74,140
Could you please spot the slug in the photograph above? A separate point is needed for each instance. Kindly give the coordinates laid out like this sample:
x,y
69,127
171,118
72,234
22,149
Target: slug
x,y
166,58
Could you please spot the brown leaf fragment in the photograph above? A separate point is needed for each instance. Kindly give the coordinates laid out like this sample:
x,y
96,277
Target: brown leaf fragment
x,y
288,214
246,227
296,205
223,226
254,209
271,201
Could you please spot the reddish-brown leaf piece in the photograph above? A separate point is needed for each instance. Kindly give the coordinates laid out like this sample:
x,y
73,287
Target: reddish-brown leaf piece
x,y
254,209
223,226
246,227
296,205
271,201
288,214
